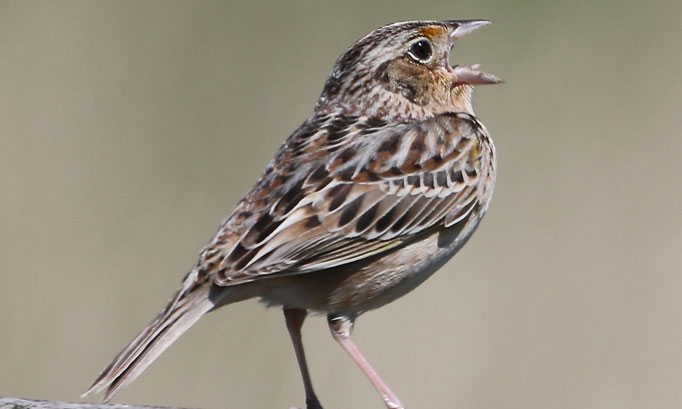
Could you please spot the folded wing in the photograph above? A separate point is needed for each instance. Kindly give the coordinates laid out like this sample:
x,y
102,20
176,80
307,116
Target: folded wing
x,y
331,198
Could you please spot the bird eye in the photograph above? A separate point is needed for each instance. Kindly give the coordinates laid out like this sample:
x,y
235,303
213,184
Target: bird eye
x,y
421,50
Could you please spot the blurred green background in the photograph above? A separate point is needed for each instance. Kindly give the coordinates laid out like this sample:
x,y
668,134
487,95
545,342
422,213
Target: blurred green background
x,y
128,130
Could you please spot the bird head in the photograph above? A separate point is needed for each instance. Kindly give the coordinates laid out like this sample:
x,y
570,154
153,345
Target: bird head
x,y
402,72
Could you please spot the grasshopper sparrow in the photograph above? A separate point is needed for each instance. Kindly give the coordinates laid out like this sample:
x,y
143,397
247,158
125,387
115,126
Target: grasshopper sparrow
x,y
371,195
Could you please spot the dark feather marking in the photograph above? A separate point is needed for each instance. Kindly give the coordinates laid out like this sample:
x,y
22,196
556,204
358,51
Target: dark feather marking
x,y
401,222
312,222
428,180
338,195
381,74
350,211
237,252
408,90
456,176
346,155
385,220
319,178
414,180
261,230
441,178
333,192
252,271
366,219
339,127
418,143
395,171
309,128
375,122
289,200
391,144
323,183
245,260
366,176
347,174
319,173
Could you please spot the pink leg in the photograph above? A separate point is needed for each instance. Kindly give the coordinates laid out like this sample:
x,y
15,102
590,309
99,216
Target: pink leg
x,y
341,328
294,319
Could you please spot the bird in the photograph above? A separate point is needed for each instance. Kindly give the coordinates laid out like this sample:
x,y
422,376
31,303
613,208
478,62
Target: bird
x,y
365,200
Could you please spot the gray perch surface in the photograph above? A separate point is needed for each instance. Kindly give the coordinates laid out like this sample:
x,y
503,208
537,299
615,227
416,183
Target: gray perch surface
x,y
18,403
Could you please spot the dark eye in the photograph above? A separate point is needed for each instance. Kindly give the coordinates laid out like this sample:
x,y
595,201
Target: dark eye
x,y
421,50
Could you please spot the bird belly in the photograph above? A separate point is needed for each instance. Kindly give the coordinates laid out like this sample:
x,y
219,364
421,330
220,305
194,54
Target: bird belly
x,y
362,286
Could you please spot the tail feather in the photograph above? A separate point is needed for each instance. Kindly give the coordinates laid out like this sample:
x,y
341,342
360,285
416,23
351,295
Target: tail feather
x,y
180,314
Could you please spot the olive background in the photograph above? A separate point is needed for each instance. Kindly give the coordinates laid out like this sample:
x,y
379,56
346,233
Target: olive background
x,y
128,130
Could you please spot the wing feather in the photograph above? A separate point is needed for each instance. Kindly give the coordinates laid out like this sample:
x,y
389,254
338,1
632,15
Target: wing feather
x,y
328,200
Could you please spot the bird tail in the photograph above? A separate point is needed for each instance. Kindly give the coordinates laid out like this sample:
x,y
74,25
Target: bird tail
x,y
186,307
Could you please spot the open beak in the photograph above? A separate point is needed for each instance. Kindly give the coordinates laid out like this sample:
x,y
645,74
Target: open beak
x,y
469,74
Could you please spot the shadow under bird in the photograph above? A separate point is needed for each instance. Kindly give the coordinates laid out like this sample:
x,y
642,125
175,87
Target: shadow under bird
x,y
370,196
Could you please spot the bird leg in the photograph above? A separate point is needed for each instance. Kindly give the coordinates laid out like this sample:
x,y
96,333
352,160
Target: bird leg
x,y
294,318
341,328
